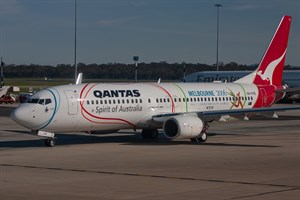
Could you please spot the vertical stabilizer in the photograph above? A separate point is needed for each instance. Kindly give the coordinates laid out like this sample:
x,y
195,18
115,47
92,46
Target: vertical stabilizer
x,y
270,69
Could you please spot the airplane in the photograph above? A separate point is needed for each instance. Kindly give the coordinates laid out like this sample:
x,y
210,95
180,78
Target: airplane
x,y
181,110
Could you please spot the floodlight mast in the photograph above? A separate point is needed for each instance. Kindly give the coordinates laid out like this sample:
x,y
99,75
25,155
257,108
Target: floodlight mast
x,y
217,59
1,76
136,59
75,42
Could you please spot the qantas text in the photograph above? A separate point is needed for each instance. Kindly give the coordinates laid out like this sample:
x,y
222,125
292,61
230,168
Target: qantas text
x,y
116,93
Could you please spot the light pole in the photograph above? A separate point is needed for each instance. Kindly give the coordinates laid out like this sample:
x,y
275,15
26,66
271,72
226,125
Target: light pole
x,y
75,41
1,76
217,59
136,59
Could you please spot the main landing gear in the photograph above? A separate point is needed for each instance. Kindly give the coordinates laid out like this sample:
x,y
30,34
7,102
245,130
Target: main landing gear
x,y
200,139
150,133
203,135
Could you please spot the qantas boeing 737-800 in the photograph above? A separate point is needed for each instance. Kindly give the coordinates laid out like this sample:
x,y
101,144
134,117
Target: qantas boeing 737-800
x,y
181,110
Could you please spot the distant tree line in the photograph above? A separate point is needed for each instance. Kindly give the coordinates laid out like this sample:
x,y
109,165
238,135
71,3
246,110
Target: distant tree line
x,y
146,71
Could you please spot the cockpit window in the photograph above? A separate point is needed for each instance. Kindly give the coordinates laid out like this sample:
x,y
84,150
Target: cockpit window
x,y
39,101
32,100
47,101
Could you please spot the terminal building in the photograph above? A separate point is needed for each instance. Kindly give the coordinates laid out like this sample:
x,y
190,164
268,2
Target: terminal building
x,y
291,78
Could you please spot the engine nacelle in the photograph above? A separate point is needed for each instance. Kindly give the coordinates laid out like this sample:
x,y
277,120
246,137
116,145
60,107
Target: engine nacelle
x,y
183,126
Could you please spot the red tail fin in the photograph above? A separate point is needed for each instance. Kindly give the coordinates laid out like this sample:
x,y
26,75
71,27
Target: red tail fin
x,y
270,69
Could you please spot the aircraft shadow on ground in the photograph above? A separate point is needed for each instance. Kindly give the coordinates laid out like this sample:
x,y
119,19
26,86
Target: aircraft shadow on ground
x,y
128,138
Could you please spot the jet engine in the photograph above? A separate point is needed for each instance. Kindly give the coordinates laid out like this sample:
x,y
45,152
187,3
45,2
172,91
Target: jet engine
x,y
185,126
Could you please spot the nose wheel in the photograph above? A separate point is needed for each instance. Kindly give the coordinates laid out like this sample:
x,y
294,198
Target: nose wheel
x,y
50,142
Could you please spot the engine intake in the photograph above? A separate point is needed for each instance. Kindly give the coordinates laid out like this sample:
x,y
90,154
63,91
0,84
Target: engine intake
x,y
183,126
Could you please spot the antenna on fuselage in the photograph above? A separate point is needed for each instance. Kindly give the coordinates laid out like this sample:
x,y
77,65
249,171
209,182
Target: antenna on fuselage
x,y
79,79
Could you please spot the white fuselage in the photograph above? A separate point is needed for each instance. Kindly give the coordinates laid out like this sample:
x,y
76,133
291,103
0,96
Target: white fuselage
x,y
97,107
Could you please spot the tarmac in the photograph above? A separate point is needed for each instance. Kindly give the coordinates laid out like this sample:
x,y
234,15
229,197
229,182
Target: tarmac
x,y
255,159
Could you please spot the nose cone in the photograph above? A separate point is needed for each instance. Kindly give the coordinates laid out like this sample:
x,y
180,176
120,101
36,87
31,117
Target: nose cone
x,y
21,115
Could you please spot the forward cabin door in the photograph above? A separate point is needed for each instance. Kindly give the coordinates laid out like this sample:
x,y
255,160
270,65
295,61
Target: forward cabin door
x,y
72,102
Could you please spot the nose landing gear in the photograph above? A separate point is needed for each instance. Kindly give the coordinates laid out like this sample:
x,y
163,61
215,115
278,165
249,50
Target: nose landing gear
x,y
50,142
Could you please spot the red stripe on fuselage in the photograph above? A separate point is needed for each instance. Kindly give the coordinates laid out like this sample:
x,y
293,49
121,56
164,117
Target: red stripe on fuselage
x,y
87,112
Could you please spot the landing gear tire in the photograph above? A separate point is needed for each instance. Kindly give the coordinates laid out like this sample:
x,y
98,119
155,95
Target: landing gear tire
x,y
50,142
150,133
201,139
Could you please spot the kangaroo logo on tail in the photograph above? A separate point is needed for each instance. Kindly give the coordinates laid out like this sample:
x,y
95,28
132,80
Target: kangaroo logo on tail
x,y
268,73
270,69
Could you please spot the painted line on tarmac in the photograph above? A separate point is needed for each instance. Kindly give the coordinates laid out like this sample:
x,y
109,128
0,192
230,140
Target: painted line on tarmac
x,y
288,187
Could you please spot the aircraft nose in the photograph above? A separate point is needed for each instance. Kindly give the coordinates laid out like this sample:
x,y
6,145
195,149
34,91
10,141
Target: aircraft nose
x,y
21,115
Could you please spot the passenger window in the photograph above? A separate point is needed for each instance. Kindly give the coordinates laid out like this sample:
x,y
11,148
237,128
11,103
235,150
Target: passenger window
x,y
88,102
149,100
141,101
92,102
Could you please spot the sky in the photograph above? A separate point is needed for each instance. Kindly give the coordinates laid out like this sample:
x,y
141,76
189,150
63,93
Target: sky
x,y
173,31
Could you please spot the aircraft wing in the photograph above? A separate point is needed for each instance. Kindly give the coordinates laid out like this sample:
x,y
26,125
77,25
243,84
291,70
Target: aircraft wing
x,y
209,116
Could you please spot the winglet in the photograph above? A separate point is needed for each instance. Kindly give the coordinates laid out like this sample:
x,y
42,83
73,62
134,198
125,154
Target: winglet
x,y
79,79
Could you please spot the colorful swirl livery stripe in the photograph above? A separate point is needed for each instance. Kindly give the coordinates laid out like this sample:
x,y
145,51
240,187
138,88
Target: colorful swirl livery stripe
x,y
45,124
90,117
186,103
172,100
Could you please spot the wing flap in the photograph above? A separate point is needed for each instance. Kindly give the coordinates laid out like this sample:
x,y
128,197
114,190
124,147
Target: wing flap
x,y
209,116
